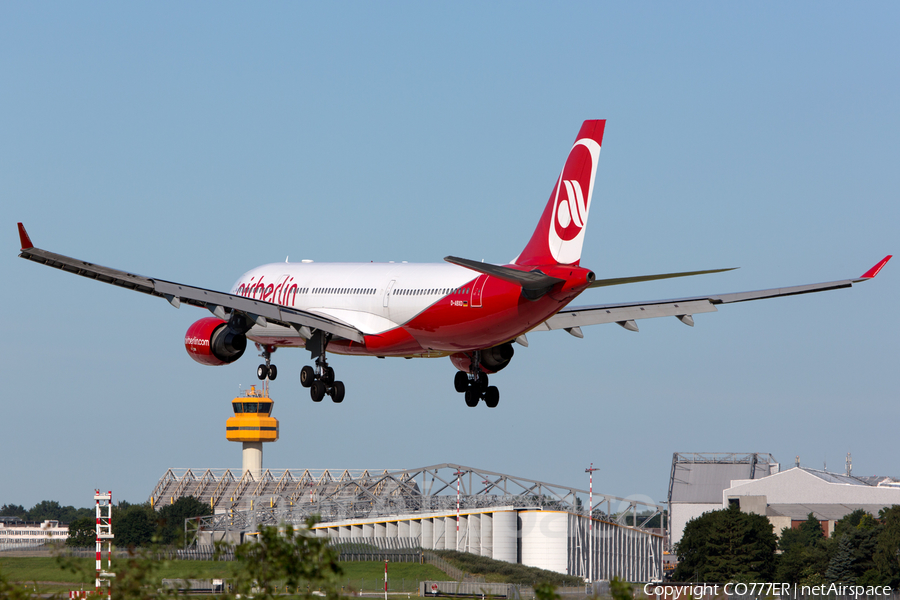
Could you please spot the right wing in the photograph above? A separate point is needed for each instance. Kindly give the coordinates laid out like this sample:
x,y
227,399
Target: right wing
x,y
625,314
218,303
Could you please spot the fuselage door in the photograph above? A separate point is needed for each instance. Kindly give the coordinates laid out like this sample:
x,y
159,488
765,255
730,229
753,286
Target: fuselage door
x,y
387,292
478,291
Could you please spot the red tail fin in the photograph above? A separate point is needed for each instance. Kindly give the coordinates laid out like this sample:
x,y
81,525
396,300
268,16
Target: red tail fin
x,y
560,232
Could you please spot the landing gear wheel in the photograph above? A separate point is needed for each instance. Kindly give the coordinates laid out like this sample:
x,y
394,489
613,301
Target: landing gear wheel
x,y
492,396
317,391
461,382
328,375
337,392
472,397
307,376
262,371
273,372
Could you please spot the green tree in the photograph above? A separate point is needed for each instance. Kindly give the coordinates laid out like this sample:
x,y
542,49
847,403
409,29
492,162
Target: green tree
x,y
840,569
171,518
291,558
13,510
133,525
804,554
727,545
887,548
82,533
50,510
45,510
811,531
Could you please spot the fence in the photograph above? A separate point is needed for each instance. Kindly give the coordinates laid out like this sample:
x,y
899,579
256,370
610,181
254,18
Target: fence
x,y
377,549
494,590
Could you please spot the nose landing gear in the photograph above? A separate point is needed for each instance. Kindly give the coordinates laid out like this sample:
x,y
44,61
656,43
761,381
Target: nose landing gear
x,y
320,380
474,385
268,370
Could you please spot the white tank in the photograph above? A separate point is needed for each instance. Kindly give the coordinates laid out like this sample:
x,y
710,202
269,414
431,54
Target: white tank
x,y
393,528
380,530
487,537
450,533
505,536
463,539
545,539
473,526
356,531
428,534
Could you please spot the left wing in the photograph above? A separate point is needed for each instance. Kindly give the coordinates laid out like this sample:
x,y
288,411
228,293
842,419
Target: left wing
x,y
218,303
625,314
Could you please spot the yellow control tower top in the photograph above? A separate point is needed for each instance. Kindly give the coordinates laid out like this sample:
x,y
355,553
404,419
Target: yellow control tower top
x,y
251,421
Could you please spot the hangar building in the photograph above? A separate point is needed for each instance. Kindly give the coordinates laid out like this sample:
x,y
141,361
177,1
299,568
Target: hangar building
x,y
445,506
698,478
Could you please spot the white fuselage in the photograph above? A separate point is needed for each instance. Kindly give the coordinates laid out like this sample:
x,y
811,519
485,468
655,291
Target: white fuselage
x,y
372,297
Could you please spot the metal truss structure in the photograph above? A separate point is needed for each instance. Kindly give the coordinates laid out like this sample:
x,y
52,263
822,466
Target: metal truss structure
x,y
292,496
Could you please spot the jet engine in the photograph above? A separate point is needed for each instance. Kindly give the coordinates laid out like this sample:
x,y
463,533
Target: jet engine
x,y
492,359
212,341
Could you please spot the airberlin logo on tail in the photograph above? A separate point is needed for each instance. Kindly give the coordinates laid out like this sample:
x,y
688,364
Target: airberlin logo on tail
x,y
571,205
571,211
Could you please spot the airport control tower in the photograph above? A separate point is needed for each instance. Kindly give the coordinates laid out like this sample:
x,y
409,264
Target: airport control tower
x,y
252,425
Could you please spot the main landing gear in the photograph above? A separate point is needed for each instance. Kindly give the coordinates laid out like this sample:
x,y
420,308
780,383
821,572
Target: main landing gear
x,y
474,385
268,370
320,380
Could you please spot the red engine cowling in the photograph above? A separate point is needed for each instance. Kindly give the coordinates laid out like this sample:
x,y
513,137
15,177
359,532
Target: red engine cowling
x,y
209,341
492,359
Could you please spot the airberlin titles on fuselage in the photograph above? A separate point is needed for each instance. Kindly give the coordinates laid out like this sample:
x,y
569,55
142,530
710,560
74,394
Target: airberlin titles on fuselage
x,y
286,292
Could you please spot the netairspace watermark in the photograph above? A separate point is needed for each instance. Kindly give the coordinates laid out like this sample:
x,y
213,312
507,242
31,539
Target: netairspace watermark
x,y
673,592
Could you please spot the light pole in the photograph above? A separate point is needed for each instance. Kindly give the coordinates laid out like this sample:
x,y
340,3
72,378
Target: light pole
x,y
590,471
458,474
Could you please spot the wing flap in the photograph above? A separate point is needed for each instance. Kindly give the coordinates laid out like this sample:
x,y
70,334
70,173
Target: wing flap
x,y
615,313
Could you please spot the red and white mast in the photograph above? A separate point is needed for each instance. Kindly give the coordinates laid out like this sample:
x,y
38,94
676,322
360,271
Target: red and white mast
x,y
104,537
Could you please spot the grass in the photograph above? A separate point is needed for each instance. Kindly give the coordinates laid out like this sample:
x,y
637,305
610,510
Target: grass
x,y
497,571
366,576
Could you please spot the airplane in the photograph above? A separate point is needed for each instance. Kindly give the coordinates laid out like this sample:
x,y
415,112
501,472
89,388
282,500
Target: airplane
x,y
472,312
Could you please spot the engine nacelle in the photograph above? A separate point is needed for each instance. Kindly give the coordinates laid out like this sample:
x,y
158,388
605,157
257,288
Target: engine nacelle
x,y
210,341
492,359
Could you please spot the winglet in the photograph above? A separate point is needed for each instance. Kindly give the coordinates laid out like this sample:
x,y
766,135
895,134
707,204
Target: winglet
x,y
26,241
874,270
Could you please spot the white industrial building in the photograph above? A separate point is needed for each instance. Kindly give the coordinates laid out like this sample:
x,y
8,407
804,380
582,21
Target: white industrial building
x,y
703,482
16,533
507,518
788,497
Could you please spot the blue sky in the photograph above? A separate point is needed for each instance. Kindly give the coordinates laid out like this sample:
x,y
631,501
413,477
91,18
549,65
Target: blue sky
x,y
192,142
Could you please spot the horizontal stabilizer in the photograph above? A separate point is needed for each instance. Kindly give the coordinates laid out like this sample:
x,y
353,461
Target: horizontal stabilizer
x,y
529,280
623,280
